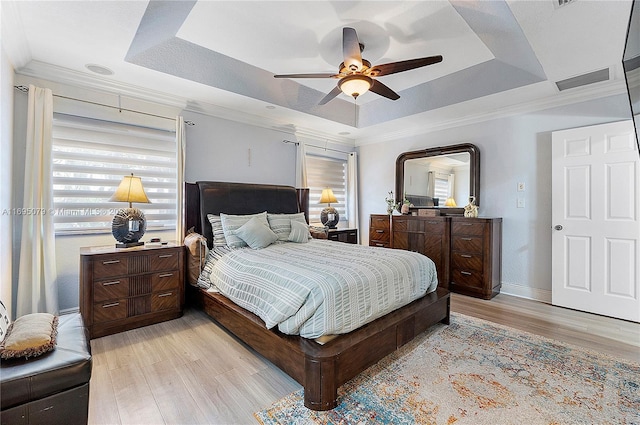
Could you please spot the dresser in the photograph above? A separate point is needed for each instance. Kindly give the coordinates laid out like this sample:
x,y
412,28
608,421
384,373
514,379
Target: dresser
x,y
476,256
467,252
122,289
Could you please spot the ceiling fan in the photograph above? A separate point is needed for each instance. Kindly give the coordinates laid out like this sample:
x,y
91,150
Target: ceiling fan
x,y
355,75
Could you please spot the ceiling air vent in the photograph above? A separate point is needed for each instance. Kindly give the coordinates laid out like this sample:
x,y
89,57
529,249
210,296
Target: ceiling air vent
x,y
584,79
559,3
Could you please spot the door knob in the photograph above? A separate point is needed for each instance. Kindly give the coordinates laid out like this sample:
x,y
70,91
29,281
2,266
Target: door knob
x,y
558,227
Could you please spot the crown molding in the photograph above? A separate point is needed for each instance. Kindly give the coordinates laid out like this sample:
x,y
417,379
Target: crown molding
x,y
17,50
583,94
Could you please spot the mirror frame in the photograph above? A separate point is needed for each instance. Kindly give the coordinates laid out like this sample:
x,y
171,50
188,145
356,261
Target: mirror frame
x,y
474,171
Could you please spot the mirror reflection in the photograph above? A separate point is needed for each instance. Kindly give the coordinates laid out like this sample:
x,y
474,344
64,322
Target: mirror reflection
x,y
441,180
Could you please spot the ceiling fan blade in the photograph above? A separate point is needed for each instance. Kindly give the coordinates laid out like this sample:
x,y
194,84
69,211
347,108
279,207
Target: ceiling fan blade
x,y
324,75
351,49
383,90
333,93
393,67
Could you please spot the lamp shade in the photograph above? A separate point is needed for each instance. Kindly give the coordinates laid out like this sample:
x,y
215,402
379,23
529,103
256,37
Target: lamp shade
x,y
327,197
130,190
450,202
355,85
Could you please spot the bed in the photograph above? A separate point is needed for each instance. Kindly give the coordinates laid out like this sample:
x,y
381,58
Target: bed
x,y
319,368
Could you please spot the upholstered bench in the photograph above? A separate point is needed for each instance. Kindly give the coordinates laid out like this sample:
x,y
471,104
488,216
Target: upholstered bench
x,y
52,388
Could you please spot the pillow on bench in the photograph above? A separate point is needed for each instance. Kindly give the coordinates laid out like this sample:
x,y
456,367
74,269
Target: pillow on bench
x,y
29,336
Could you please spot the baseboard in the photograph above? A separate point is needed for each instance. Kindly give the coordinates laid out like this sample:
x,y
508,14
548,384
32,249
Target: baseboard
x,y
542,295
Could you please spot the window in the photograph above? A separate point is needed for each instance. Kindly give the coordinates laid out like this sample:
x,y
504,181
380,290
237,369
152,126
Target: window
x,y
441,189
323,172
90,157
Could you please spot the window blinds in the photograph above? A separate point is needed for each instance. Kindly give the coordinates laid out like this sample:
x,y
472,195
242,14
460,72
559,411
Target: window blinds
x,y
90,157
323,172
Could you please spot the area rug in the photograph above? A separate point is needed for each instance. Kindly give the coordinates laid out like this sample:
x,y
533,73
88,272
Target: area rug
x,y
476,372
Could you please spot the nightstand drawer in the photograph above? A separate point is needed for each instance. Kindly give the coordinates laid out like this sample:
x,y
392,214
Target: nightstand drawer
x,y
110,289
165,300
110,266
164,261
467,243
110,310
165,280
463,260
460,227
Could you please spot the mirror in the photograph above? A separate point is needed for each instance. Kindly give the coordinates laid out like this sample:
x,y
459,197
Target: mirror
x,y
443,177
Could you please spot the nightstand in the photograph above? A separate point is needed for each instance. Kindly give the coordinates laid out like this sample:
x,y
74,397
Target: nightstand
x,y
122,289
343,235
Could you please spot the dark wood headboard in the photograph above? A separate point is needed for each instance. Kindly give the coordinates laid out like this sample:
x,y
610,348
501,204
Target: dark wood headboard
x,y
206,197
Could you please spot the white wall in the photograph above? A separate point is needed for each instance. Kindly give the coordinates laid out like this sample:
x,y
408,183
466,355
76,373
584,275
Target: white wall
x,y
513,149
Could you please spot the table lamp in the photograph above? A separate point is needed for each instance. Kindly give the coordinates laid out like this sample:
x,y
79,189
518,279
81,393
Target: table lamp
x,y
129,224
328,216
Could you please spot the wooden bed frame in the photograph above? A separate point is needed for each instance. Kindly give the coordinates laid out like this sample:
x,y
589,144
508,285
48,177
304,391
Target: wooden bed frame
x,y
320,369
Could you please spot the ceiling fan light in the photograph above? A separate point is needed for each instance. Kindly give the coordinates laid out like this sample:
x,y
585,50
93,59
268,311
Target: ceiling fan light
x,y
355,85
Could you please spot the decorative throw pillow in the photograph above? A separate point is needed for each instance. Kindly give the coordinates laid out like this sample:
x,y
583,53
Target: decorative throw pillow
x,y
256,234
218,232
5,321
196,244
281,224
231,223
319,232
30,335
299,232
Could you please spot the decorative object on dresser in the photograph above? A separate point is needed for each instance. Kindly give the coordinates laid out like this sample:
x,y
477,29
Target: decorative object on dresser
x,y
343,235
467,251
471,209
125,289
476,256
329,215
129,224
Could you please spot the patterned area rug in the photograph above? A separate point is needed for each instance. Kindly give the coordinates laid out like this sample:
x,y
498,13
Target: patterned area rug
x,y
475,372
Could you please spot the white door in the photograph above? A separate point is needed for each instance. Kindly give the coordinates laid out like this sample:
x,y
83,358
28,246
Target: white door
x,y
596,228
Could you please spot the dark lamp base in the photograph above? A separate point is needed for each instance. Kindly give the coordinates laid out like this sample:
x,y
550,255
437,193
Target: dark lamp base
x,y
129,244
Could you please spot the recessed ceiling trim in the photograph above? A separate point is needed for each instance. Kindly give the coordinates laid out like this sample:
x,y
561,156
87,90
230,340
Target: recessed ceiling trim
x,y
584,79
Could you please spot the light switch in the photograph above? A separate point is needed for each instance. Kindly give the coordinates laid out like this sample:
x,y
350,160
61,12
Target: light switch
x,y
520,203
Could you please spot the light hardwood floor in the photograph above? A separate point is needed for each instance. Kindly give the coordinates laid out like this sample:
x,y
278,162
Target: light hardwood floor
x,y
190,371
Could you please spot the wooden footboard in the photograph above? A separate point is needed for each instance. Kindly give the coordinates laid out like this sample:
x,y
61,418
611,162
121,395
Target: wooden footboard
x,y
321,369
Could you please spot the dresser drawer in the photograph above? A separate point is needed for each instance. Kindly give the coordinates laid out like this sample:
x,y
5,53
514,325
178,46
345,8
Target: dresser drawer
x,y
379,235
110,310
434,226
400,224
380,222
110,289
110,266
463,261
467,243
165,300
460,227
471,278
165,280
164,260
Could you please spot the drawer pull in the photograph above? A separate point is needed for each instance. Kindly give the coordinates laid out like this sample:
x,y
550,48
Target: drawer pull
x,y
165,275
466,273
432,222
465,256
168,294
379,231
110,305
115,282
466,224
466,239
106,263
379,244
165,256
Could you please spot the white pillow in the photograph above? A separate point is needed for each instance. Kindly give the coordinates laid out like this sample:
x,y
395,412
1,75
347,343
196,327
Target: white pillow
x,y
299,232
281,224
231,223
256,234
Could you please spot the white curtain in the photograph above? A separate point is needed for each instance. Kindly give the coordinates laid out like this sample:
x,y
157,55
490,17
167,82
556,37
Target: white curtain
x,y
301,166
37,278
181,142
352,190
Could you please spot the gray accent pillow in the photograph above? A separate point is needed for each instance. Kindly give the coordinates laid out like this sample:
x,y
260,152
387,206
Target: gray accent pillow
x,y
256,234
216,228
231,223
299,232
281,224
